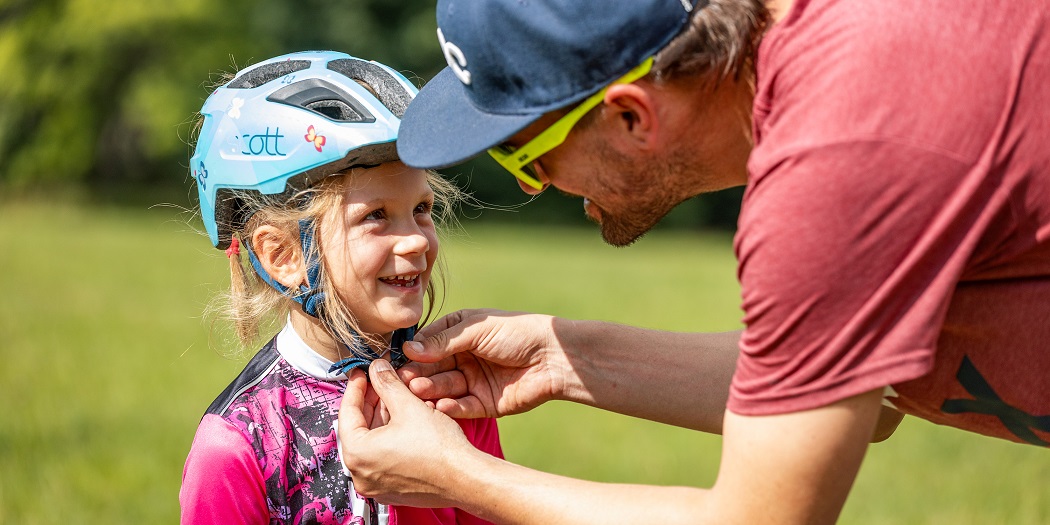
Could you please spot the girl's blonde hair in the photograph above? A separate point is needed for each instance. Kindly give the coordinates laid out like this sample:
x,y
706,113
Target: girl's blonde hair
x,y
251,300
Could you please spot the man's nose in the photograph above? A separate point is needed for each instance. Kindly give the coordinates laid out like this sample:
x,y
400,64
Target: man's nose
x,y
540,176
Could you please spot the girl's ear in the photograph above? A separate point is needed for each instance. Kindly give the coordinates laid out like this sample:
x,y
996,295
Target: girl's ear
x,y
280,255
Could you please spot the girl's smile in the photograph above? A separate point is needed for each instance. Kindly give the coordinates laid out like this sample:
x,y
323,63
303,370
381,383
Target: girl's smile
x,y
381,245
408,282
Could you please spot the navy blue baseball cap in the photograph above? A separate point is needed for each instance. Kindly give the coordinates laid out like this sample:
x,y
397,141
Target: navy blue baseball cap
x,y
512,61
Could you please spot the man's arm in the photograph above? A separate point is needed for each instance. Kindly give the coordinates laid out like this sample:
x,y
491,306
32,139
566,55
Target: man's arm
x,y
681,379
490,363
792,468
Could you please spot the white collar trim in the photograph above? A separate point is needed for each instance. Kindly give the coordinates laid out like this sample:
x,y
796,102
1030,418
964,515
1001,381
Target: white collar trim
x,y
303,358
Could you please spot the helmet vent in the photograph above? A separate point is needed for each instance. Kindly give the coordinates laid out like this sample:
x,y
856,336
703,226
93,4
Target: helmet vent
x,y
388,89
336,110
324,98
256,77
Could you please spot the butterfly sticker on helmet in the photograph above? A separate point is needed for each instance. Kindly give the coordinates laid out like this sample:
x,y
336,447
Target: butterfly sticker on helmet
x,y
235,108
313,136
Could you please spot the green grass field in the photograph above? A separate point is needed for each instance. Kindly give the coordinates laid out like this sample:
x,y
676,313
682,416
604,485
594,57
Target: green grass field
x,y
108,365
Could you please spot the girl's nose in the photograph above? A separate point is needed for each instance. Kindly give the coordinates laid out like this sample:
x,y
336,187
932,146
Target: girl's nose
x,y
412,240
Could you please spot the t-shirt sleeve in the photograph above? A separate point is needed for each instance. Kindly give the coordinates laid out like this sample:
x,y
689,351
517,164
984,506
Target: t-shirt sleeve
x,y
221,482
483,434
848,256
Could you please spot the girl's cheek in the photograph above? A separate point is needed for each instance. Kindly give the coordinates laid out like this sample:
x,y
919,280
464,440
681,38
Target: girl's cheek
x,y
435,245
432,254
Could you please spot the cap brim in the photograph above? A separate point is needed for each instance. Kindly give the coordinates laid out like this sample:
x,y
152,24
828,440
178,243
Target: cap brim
x,y
442,128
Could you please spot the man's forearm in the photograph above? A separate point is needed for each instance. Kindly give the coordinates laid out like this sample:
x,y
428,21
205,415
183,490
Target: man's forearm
x,y
677,378
789,469
506,493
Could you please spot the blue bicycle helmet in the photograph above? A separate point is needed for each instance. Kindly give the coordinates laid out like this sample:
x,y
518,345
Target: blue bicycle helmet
x,y
282,125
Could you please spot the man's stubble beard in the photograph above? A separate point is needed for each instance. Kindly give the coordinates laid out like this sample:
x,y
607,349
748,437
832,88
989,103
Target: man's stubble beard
x,y
654,190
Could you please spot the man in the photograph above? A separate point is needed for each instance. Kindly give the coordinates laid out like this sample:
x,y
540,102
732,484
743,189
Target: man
x,y
893,244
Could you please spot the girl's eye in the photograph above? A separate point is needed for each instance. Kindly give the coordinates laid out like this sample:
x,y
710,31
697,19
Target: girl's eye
x,y
376,215
424,207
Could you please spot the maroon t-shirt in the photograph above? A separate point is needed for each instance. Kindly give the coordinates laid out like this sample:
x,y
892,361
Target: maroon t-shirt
x,y
896,225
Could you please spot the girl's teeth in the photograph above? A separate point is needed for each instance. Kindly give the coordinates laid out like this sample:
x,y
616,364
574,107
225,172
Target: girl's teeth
x,y
400,280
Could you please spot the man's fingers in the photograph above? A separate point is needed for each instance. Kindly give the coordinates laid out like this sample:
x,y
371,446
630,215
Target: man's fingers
x,y
468,407
443,323
457,332
352,408
384,414
430,350
371,398
416,369
451,384
394,395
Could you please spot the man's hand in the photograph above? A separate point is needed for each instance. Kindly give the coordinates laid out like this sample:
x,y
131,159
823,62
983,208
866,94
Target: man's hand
x,y
486,363
491,363
399,450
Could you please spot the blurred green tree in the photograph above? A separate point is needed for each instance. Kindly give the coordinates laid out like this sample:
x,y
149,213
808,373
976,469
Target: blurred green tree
x,y
103,94
97,91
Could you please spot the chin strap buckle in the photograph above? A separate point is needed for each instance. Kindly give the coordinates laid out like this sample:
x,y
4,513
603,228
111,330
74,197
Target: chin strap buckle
x,y
397,355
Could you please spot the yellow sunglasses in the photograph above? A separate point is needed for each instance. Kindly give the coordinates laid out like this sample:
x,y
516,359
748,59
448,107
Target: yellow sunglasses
x,y
518,161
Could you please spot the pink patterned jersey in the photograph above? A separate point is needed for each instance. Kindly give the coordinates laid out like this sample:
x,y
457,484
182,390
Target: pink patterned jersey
x,y
265,451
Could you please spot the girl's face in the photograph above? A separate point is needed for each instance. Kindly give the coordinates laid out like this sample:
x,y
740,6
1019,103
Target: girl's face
x,y
380,247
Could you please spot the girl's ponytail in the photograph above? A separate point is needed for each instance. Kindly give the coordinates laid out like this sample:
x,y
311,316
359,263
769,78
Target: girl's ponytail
x,y
247,324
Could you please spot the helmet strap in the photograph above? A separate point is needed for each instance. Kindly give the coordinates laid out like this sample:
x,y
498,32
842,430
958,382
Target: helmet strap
x,y
311,298
309,295
397,355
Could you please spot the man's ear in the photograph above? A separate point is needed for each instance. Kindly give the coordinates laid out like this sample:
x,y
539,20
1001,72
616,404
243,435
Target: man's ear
x,y
631,109
280,255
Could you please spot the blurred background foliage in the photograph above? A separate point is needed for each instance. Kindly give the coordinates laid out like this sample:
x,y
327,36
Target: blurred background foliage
x,y
98,97
107,363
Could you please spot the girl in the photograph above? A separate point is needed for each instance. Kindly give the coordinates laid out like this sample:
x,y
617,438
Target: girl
x,y
296,167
